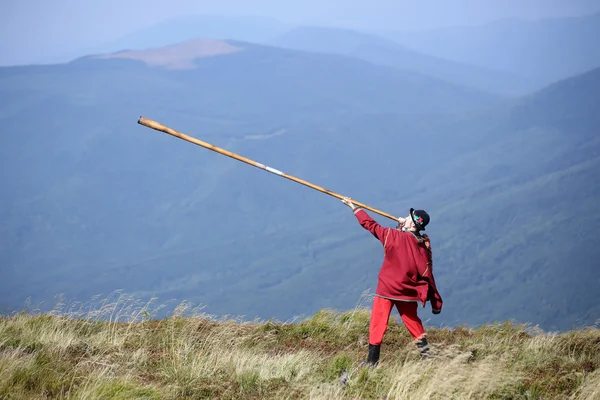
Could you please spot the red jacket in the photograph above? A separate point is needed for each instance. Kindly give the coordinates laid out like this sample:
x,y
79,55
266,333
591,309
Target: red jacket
x,y
406,273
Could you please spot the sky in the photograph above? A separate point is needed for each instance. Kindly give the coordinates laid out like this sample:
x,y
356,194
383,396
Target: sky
x,y
33,30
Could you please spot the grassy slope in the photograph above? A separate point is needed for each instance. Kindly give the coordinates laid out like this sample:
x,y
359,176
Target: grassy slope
x,y
116,350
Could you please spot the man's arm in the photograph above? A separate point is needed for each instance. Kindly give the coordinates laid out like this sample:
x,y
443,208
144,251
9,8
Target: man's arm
x,y
370,224
433,294
367,222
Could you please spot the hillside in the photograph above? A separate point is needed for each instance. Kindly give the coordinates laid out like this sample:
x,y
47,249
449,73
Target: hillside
x,y
542,51
114,349
382,51
191,354
93,202
549,108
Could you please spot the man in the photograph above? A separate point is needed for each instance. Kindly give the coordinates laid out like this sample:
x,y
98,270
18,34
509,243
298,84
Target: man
x,y
405,279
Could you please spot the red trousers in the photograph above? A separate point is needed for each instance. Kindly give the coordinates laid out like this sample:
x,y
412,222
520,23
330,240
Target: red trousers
x,y
380,315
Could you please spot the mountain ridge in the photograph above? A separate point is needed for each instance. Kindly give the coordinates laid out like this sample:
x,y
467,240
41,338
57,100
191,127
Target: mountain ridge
x,y
385,51
543,51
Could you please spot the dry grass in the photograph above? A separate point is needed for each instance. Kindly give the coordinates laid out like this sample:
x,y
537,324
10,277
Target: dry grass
x,y
114,349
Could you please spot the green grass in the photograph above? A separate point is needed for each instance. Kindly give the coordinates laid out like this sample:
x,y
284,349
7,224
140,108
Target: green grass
x,y
192,355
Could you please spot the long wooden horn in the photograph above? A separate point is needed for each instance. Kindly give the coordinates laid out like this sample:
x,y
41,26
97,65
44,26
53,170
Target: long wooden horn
x,y
160,127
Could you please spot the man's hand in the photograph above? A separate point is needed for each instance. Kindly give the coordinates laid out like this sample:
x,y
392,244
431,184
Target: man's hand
x,y
401,222
348,202
433,310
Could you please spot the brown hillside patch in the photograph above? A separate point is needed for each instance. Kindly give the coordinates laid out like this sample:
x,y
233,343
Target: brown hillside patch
x,y
178,56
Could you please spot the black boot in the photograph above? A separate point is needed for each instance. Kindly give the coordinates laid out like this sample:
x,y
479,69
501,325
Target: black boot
x,y
373,358
423,347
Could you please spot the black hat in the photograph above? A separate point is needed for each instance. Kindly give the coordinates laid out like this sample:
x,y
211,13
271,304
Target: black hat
x,y
420,218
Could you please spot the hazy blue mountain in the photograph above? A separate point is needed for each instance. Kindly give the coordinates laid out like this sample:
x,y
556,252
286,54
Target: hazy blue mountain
x,y
93,202
387,52
543,51
179,29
